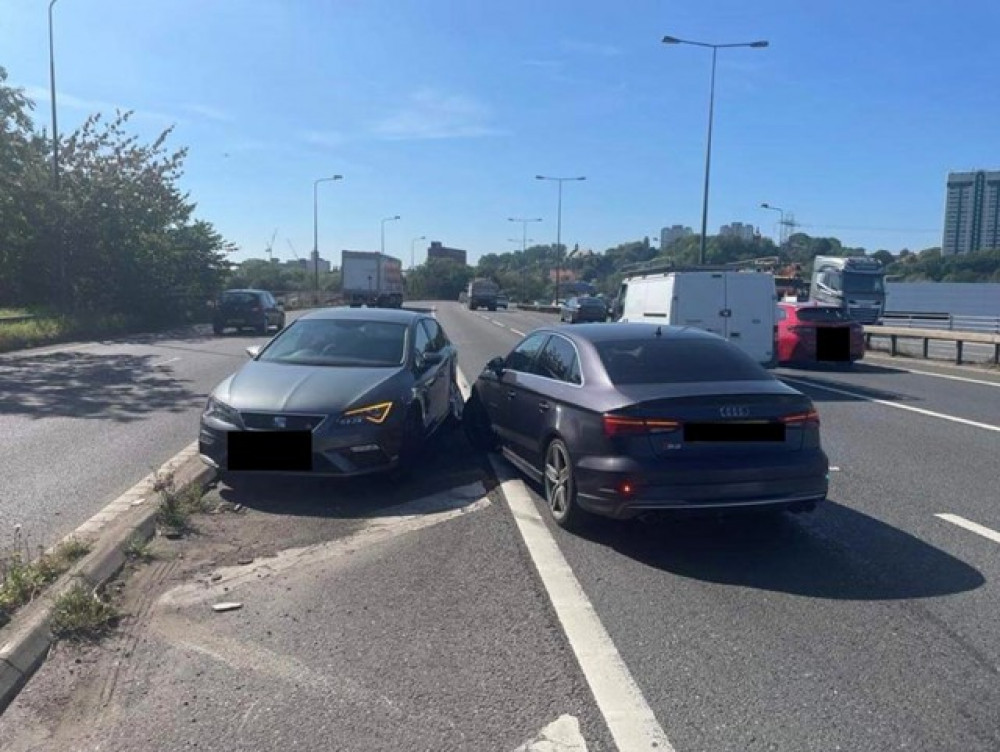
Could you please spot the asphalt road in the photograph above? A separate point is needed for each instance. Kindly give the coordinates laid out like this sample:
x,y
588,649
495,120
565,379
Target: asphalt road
x,y
80,424
868,625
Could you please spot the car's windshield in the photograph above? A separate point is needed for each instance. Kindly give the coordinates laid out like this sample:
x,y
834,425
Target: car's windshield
x,y
862,283
239,298
656,360
333,342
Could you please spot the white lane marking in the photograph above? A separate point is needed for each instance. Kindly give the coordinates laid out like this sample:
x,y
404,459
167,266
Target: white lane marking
x,y
834,469
627,714
518,332
975,527
947,376
498,323
888,403
563,734
164,362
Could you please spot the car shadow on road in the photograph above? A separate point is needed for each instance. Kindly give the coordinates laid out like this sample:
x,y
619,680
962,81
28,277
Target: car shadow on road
x,y
118,387
835,553
448,461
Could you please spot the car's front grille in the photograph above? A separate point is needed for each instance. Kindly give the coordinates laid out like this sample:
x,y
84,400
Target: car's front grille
x,y
281,421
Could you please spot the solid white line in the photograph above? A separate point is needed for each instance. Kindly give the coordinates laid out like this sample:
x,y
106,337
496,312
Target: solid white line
x,y
628,716
975,527
947,376
910,408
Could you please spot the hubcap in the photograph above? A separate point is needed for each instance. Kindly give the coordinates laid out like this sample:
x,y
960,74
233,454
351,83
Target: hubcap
x,y
557,474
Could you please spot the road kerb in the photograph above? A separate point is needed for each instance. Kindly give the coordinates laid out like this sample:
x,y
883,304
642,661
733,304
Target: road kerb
x,y
25,642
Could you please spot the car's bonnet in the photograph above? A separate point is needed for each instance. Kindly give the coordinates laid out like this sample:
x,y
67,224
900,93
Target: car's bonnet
x,y
281,387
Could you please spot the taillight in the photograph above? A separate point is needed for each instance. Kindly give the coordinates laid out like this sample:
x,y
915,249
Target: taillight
x,y
808,418
622,425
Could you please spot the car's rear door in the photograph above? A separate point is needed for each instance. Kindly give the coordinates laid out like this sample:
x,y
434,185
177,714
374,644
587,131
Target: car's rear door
x,y
750,302
700,301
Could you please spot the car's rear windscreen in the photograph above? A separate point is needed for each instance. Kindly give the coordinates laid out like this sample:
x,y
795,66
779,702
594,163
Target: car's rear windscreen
x,y
239,299
820,315
661,360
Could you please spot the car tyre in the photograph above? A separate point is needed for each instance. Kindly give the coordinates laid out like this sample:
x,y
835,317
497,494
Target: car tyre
x,y
217,330
560,487
477,426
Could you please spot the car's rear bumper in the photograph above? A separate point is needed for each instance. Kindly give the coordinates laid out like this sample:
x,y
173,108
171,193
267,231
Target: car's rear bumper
x,y
349,453
749,483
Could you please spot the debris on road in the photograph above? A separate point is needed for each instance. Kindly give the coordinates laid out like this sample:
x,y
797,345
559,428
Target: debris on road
x,y
227,606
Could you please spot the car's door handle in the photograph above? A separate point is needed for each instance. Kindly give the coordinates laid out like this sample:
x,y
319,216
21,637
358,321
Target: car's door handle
x,y
543,406
511,394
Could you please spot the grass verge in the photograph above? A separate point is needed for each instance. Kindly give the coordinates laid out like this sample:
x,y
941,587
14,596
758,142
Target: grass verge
x,y
82,614
22,579
47,329
138,549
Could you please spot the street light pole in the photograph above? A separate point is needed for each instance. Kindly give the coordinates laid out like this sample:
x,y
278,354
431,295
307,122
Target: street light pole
x,y
781,222
52,86
316,228
387,219
711,113
560,181
524,229
412,243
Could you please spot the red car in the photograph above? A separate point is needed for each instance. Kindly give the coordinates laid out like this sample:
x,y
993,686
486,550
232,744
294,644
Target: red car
x,y
812,333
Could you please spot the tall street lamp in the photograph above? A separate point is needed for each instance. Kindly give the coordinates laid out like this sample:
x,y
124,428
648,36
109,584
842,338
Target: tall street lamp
x,y
316,227
711,109
387,219
524,229
781,222
52,86
560,181
412,244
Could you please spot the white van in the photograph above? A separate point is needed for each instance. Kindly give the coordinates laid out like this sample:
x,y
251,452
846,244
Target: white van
x,y
740,306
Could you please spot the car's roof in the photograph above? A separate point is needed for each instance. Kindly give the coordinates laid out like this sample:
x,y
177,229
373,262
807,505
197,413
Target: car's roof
x,y
610,332
388,315
242,289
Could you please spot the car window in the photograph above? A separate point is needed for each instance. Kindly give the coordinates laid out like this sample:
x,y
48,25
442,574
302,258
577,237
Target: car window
x,y
438,341
331,342
239,298
421,340
661,360
523,355
559,361
822,314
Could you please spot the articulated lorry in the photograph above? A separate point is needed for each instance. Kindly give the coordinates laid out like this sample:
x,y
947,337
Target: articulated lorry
x,y
855,284
372,279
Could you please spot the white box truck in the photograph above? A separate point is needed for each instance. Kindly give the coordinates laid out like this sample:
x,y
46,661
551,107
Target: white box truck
x,y
740,306
371,278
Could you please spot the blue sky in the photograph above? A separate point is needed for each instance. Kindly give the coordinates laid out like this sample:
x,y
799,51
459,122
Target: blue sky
x,y
443,111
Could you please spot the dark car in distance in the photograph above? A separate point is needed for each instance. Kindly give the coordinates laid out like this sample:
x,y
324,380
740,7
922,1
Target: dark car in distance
x,y
625,418
583,309
247,309
340,391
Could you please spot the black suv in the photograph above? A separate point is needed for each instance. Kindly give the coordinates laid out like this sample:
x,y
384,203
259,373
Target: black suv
x,y
248,309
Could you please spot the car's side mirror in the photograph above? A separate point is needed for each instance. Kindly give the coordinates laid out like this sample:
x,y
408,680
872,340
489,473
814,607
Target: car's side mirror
x,y
280,306
497,366
253,351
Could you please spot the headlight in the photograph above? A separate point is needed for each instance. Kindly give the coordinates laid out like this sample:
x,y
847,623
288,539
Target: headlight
x,y
222,412
372,413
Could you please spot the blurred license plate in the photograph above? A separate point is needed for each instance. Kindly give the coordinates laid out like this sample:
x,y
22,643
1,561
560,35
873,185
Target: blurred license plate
x,y
276,451
734,431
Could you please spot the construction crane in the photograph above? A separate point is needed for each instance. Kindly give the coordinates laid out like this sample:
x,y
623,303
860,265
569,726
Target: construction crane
x,y
268,248
292,248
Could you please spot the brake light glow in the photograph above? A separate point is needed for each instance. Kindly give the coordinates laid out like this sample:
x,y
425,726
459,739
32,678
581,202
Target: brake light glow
x,y
622,425
809,418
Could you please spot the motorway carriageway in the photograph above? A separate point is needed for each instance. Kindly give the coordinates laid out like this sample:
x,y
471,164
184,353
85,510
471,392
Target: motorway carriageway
x,y
869,624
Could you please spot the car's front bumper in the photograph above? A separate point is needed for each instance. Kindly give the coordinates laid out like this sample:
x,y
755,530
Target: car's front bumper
x,y
758,482
336,451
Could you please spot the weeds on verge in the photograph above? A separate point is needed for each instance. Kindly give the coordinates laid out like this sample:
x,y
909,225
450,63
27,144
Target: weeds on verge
x,y
23,578
81,614
137,549
176,507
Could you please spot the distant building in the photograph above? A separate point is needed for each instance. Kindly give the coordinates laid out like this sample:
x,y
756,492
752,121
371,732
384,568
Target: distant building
x,y
739,230
438,251
972,212
672,234
310,265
